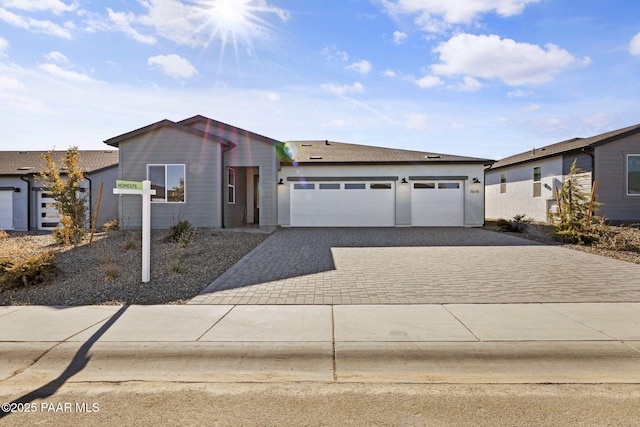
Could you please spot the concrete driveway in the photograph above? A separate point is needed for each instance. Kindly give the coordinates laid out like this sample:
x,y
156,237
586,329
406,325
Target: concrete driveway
x,y
418,266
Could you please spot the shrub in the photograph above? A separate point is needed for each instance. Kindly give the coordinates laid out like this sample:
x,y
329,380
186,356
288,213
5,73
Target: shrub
x,y
112,225
181,232
111,272
27,271
516,225
129,244
3,235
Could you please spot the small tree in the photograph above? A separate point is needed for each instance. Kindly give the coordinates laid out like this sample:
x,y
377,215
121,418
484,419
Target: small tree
x,y
573,210
71,202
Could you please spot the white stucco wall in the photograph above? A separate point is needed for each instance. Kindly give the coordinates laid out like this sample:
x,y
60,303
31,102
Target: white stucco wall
x,y
473,193
518,198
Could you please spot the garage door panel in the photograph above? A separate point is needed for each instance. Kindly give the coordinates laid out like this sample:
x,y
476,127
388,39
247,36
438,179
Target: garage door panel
x,y
6,210
348,206
437,204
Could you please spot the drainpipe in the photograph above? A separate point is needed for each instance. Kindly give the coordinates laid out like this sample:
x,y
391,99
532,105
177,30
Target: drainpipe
x,y
28,200
90,204
593,165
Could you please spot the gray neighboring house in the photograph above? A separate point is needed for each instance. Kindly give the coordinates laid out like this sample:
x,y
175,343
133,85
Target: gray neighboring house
x,y
217,175
525,183
26,205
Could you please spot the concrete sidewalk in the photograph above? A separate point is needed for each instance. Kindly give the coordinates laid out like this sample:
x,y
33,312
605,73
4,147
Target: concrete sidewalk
x,y
422,343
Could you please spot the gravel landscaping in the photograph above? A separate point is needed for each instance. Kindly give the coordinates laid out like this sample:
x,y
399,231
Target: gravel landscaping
x,y
109,271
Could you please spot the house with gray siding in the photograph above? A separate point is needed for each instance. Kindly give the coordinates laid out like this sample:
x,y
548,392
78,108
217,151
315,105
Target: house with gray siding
x,y
526,183
25,204
217,175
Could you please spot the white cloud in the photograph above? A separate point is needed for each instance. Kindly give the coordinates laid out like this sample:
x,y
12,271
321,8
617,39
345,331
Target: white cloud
x,y
56,57
71,76
362,67
269,96
457,125
55,6
399,37
335,124
519,93
174,66
428,82
4,45
469,84
35,25
8,83
634,45
332,52
123,22
343,89
491,57
418,122
532,106
438,15
389,73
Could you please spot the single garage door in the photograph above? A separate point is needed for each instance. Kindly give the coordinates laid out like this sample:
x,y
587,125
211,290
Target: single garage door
x,y
437,204
343,204
6,210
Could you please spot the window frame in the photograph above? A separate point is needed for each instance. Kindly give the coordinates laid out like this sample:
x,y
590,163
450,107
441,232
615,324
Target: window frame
x,y
627,181
537,184
231,186
165,199
503,183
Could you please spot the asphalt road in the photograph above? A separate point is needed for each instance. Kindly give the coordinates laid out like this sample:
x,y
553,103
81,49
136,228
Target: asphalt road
x,y
329,404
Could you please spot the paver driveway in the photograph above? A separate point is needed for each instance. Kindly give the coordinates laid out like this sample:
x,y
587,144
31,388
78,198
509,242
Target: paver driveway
x,y
418,265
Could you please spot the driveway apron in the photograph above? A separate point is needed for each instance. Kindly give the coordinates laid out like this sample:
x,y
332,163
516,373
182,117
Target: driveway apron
x,y
418,266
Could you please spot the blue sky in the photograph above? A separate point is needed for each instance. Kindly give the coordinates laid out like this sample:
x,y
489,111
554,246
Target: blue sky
x,y
484,78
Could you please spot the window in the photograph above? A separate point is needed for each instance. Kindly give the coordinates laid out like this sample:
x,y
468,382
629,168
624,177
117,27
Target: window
x,y
231,186
633,174
503,183
385,186
168,181
424,185
448,185
329,186
304,186
537,181
354,186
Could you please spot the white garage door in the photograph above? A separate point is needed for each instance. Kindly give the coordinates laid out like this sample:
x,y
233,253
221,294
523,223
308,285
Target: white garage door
x,y
6,210
437,204
343,204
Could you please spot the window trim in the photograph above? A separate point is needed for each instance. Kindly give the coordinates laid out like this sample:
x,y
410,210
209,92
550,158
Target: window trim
x,y
537,184
166,184
503,183
626,175
231,186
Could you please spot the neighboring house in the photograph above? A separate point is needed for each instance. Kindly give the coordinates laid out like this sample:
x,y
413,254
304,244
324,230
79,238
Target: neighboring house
x,y
216,175
526,183
25,204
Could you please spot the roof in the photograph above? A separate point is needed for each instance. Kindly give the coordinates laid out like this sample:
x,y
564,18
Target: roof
x,y
24,162
116,140
568,146
216,124
331,152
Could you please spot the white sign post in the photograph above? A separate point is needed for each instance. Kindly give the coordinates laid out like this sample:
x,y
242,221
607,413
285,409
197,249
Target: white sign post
x,y
142,189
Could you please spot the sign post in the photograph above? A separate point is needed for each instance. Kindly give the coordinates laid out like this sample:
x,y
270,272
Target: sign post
x,y
142,189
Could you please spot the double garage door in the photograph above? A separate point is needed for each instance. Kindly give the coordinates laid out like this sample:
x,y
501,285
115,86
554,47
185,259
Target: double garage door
x,y
373,204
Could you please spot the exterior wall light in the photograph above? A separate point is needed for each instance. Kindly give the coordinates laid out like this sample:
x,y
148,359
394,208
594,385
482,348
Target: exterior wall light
x,y
404,181
476,180
280,182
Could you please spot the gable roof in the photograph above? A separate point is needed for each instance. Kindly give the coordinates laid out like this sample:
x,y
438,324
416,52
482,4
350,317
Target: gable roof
x,y
24,162
116,140
568,146
331,152
210,123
